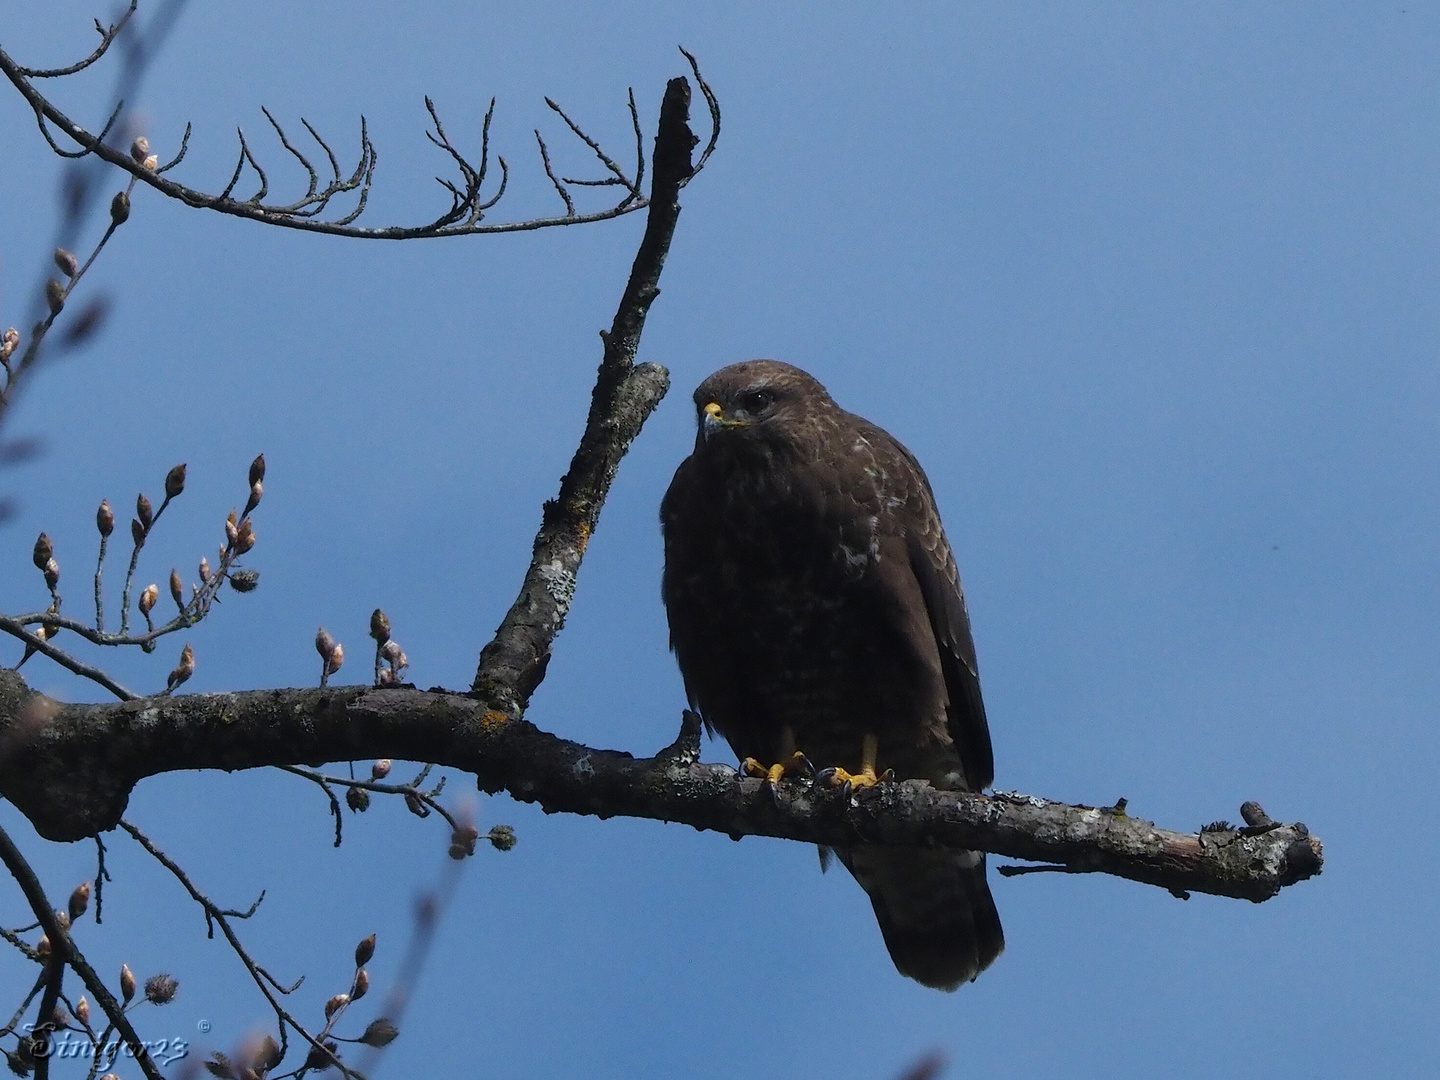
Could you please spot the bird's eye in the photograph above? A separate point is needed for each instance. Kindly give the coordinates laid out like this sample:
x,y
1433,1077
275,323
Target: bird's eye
x,y
757,401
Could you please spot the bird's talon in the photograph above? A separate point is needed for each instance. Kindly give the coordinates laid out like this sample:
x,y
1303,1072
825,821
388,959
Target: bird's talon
x,y
796,765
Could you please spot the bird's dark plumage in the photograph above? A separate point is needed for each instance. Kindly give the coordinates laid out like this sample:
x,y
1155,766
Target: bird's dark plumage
x,y
814,601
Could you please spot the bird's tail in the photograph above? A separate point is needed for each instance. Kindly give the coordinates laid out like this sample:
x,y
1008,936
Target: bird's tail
x,y
934,908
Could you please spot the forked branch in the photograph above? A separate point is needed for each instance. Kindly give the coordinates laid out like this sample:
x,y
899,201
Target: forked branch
x,y
470,200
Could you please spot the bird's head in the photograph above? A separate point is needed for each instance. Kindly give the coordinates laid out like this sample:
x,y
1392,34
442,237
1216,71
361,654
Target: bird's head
x,y
755,400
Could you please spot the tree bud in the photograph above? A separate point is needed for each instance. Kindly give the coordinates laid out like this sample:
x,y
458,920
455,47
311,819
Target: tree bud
x,y
148,598
127,983
82,1011
257,470
144,511
137,532
79,900
175,481
335,1004
9,342
380,769
365,951
54,296
183,670
43,551
140,148
66,262
152,162
231,532
335,660
52,574
362,984
379,627
120,208
105,518
257,490
43,945
204,570
244,537
323,642
177,589
358,799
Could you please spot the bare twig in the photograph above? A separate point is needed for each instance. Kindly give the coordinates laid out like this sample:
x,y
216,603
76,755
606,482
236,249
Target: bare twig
x,y
468,206
215,915
63,947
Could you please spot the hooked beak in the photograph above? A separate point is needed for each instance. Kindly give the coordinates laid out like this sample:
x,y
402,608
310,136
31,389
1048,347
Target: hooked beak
x,y
713,418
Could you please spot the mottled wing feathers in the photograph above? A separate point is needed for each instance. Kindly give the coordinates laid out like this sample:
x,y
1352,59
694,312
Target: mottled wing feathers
x,y
933,566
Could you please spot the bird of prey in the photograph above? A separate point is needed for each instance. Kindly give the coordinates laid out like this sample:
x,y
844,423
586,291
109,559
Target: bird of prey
x,y
816,614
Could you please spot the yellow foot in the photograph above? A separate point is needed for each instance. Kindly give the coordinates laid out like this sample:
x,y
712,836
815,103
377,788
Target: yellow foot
x,y
865,778
797,765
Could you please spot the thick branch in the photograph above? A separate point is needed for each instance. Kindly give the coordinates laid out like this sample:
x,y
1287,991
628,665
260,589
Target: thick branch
x,y
70,770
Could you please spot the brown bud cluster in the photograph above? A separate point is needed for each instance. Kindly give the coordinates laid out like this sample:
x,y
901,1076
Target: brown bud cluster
x,y
161,989
379,1033
244,537
318,1059
462,841
183,670
243,581
105,518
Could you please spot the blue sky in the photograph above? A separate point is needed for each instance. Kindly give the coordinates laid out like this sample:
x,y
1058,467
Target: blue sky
x,y
1148,290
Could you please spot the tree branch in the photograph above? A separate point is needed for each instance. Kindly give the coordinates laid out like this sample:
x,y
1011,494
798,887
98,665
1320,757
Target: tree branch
x,y
513,664
70,769
468,206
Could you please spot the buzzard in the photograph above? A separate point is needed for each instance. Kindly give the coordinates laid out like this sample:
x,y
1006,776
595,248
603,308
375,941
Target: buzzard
x,y
816,614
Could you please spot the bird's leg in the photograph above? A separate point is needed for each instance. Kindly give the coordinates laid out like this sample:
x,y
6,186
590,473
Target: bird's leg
x,y
866,777
792,761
